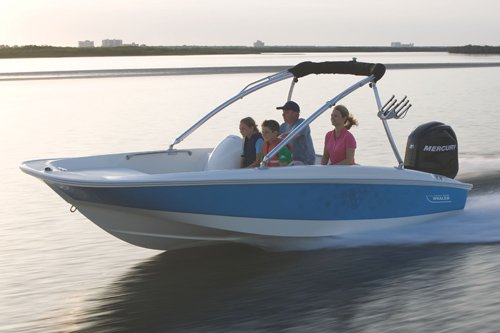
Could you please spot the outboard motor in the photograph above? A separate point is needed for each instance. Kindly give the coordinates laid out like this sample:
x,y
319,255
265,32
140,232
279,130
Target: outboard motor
x,y
432,147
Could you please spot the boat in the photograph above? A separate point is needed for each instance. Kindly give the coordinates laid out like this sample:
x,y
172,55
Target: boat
x,y
179,198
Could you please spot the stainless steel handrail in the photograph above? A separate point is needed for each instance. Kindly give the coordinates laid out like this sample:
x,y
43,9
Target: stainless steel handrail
x,y
169,151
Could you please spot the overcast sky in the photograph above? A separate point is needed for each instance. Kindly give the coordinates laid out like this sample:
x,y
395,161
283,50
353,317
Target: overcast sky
x,y
238,22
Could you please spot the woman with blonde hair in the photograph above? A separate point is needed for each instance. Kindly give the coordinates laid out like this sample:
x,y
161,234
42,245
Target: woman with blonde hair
x,y
340,144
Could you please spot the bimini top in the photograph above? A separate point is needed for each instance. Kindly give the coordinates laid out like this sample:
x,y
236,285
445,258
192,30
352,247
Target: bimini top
x,y
338,67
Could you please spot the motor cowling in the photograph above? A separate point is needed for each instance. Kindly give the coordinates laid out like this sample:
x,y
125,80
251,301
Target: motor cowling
x,y
433,147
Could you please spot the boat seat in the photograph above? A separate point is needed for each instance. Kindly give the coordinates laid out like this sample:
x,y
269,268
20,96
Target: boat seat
x,y
226,155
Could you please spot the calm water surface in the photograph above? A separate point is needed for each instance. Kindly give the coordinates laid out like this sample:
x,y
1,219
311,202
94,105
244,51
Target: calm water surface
x,y
61,273
285,59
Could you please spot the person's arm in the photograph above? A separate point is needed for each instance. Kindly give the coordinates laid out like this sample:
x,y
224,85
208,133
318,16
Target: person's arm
x,y
255,164
326,157
349,157
284,156
258,154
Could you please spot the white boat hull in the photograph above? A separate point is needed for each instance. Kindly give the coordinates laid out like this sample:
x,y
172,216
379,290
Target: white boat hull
x,y
167,200
171,230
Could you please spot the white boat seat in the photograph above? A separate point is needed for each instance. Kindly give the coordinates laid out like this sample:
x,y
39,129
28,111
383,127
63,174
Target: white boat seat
x,y
226,155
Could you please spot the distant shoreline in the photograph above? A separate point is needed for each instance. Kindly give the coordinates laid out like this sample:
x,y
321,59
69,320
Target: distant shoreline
x,y
33,51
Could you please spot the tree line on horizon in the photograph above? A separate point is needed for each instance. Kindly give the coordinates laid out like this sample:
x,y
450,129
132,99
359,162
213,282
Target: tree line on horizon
x,y
475,49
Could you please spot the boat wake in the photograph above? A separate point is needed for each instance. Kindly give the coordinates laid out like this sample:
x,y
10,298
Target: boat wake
x,y
478,223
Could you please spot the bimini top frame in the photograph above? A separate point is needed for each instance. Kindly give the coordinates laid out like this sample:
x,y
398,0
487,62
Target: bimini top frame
x,y
250,88
373,73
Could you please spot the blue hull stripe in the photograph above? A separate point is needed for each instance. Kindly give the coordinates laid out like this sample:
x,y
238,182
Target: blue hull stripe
x,y
282,201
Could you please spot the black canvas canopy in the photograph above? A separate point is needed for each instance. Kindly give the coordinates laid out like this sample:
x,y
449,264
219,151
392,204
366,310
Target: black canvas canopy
x,y
338,67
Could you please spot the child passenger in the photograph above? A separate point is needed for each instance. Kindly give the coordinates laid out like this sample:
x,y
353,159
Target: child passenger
x,y
252,144
270,132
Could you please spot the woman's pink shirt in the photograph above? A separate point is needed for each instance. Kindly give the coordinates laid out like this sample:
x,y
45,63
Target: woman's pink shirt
x,y
336,147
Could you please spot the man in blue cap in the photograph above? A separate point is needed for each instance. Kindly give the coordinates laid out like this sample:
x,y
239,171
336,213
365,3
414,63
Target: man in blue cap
x,y
302,145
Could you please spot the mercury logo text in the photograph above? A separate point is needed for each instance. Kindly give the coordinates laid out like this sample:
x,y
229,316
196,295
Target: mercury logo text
x,y
440,148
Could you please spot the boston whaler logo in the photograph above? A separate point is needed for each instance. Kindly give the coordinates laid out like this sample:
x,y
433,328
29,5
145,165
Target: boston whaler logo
x,y
438,198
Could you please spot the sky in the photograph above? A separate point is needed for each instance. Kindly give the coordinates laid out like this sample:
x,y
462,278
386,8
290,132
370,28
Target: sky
x,y
238,22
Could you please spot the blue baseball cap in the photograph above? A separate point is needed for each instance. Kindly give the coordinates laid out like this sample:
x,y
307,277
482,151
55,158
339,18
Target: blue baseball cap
x,y
290,105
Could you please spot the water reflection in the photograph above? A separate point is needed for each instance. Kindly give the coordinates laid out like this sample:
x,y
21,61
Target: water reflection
x,y
236,288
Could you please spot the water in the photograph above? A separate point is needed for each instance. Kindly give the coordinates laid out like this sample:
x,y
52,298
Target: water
x,y
266,59
61,273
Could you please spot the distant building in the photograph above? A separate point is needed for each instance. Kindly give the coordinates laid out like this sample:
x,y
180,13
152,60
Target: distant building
x,y
112,43
258,43
86,43
399,44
